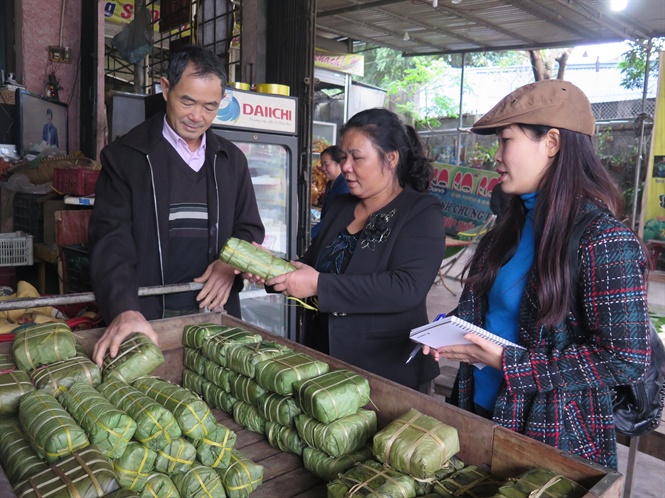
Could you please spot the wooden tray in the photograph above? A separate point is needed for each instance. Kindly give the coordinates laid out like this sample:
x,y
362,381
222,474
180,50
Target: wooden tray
x,y
496,449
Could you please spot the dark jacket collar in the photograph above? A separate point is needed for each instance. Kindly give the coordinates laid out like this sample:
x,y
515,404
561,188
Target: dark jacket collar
x,y
146,136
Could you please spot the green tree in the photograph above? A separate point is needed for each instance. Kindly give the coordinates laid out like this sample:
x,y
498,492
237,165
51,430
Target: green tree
x,y
383,65
414,80
404,77
633,66
488,59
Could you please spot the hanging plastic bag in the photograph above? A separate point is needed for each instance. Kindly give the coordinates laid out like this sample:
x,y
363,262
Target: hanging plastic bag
x,y
134,41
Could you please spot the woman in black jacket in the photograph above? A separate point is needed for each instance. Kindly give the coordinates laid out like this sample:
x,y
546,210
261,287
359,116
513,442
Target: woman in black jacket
x,y
377,253
331,159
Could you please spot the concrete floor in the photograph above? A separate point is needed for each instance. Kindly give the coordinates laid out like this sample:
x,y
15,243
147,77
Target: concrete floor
x,y
648,478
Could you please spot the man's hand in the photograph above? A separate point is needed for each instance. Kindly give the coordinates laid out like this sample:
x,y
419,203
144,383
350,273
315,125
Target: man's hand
x,y
217,283
125,324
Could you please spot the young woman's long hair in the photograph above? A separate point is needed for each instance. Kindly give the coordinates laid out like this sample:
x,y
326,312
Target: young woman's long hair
x,y
575,176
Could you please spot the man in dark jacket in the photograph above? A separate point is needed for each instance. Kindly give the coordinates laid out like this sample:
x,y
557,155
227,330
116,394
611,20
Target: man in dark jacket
x,y
170,193
49,131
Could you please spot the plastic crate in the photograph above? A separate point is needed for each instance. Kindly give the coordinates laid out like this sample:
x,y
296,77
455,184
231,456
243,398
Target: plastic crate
x,y
77,268
16,249
29,215
75,181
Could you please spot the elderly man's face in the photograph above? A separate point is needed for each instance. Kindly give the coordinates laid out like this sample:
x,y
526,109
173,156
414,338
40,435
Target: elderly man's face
x,y
192,104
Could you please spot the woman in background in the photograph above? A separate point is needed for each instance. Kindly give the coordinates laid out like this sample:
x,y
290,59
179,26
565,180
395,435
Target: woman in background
x,y
331,159
579,338
376,255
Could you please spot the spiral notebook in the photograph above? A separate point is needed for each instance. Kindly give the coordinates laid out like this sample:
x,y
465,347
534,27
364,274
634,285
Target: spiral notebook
x,y
450,331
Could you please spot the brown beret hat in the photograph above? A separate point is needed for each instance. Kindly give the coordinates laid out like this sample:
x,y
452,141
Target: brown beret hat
x,y
555,103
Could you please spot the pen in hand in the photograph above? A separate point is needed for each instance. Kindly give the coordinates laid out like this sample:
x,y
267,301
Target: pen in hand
x,y
414,353
418,347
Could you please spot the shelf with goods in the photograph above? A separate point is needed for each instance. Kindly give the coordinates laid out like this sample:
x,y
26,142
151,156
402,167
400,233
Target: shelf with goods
x,y
318,181
323,136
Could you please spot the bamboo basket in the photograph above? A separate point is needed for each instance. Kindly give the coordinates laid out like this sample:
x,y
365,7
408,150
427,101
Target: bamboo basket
x,y
41,170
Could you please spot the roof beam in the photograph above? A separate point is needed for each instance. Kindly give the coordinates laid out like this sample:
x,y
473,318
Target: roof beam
x,y
598,18
573,22
460,12
354,36
457,12
638,27
383,30
428,26
486,49
541,11
357,7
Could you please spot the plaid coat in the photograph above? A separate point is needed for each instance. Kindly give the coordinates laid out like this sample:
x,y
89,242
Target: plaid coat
x,y
558,390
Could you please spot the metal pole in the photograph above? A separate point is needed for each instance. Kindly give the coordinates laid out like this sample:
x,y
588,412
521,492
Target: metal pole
x,y
638,166
630,467
347,96
461,119
87,297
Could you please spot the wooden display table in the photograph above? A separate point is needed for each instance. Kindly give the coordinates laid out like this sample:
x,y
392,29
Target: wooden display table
x,y
484,444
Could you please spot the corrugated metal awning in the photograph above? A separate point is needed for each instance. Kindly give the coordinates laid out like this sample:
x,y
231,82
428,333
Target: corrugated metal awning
x,y
416,27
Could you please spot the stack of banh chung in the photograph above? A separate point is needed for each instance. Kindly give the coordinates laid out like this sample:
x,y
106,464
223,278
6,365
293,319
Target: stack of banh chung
x,y
278,406
409,454
220,365
334,425
44,449
404,460
289,397
154,426
414,455
64,432
178,448
52,356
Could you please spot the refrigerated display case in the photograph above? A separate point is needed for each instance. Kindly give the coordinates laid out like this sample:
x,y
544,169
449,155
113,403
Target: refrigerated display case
x,y
263,126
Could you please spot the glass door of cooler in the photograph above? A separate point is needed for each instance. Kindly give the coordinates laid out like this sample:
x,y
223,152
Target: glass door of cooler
x,y
271,161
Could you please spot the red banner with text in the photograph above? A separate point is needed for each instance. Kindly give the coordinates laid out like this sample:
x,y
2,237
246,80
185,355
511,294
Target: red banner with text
x,y
464,194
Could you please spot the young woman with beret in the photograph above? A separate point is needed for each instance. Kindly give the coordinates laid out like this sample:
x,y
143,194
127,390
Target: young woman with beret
x,y
580,338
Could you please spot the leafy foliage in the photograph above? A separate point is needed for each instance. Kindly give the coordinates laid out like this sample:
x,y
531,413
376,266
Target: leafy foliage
x,y
485,153
658,320
384,65
425,71
489,59
633,65
404,77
